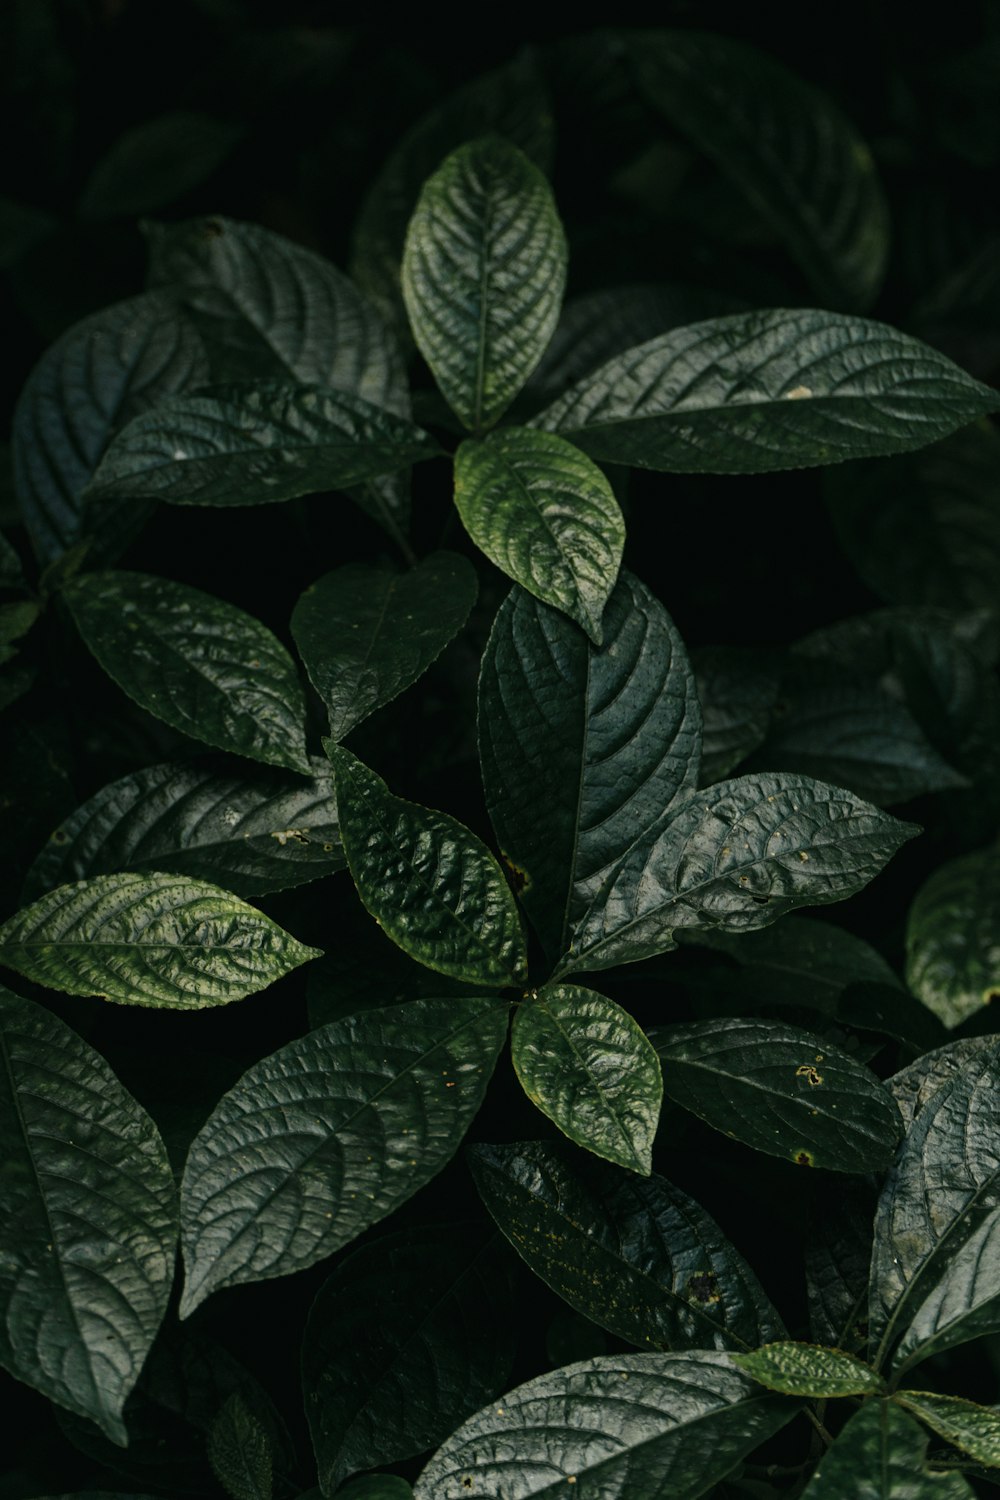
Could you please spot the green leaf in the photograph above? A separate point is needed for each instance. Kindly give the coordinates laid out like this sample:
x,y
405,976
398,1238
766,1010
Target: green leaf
x,y
250,834
801,164
737,689
428,882
200,664
915,1085
254,444
105,370
975,1429
766,390
484,267
365,633
591,1069
442,1299
582,749
329,1135
150,165
546,516
838,1253
666,1426
239,1452
635,1255
952,956
810,1370
149,939
881,1455
737,856
89,1220
376,1487
799,955
780,1090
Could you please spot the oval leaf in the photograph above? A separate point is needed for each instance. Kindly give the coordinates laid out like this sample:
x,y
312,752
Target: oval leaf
x,y
592,1070
201,665
975,1429
952,953
810,1370
149,940
330,1134
153,163
484,267
880,1454
240,1452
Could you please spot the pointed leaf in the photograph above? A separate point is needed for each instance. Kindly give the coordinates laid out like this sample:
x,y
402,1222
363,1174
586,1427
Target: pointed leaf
x,y
149,939
666,1426
974,1429
810,1370
365,633
88,1223
239,1452
201,665
591,1069
330,1134
635,1255
761,391
881,1455
780,1090
802,954
484,269
952,954
429,883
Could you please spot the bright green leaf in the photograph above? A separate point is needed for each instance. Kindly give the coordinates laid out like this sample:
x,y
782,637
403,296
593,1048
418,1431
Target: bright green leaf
x,y
952,949
880,1454
974,1429
810,1370
239,1452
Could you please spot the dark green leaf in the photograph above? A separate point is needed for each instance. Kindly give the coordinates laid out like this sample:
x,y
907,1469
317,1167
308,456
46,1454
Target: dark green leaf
x,y
952,951
150,165
239,1452
442,1301
591,1069
484,267
330,1134
838,1253
21,227
880,1455
429,883
198,663
810,1370
915,1085
974,1429
802,959
782,1091
635,1255
737,689
365,633
89,1220
376,1487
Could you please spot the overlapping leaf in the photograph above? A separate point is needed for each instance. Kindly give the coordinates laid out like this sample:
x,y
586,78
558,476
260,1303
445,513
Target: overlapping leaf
x,y
881,1455
838,1256
737,688
974,1429
952,951
239,1452
810,1370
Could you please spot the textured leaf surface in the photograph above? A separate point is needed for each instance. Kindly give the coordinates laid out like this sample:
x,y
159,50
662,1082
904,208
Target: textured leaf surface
x,y
668,1426
810,1370
330,1134
365,633
149,939
484,267
953,937
153,163
590,1067
239,1452
429,883
546,516
881,1455
760,391
89,1220
442,1301
251,834
582,749
635,1255
780,1090
202,665
974,1429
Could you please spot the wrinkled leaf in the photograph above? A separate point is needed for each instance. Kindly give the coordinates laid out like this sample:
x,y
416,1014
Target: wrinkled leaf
x,y
239,1452
952,943
810,1370
881,1455
974,1429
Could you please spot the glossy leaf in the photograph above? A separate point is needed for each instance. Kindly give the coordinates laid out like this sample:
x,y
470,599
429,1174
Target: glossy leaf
x,y
780,1090
153,163
881,1455
200,664
952,954
89,1220
149,939
366,633
590,1067
546,516
239,1452
582,749
429,883
666,1425
760,391
442,1300
634,1255
810,1370
484,267
328,1135
974,1429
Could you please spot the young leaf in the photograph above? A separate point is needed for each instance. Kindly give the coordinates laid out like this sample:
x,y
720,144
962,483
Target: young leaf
x,y
782,1091
252,834
150,165
253,444
880,1454
443,1301
952,957
591,1069
239,1452
201,665
546,516
974,1429
635,1255
88,1224
484,267
365,633
810,1370
582,749
656,1424
428,882
330,1134
766,390
149,939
